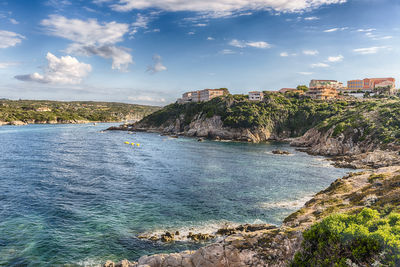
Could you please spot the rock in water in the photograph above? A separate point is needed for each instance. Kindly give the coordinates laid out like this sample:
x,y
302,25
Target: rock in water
x,y
280,152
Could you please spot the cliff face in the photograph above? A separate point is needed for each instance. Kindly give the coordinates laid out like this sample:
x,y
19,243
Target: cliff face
x,y
212,128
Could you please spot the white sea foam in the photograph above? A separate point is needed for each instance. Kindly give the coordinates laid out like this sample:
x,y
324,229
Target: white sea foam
x,y
286,204
204,228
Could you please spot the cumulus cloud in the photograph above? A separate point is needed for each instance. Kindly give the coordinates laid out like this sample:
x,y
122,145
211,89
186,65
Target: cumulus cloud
x,y
335,59
209,38
284,54
119,56
319,65
222,5
9,39
370,50
243,44
92,38
63,70
142,22
157,66
310,52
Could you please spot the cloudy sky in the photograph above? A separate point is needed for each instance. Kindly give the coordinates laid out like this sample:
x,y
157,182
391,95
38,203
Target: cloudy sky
x,y
151,51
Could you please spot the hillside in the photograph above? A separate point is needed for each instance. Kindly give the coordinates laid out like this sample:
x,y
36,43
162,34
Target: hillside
x,y
335,128
43,111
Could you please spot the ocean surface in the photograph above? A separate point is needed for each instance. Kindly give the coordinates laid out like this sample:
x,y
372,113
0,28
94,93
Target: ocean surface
x,y
71,195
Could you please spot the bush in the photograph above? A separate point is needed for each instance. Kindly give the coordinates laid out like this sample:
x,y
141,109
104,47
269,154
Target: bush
x,y
365,238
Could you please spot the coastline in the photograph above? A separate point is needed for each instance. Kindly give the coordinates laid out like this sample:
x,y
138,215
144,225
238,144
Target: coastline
x,y
22,123
266,245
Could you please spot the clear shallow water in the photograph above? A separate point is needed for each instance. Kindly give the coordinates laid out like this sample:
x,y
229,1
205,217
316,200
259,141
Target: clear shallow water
x,y
72,195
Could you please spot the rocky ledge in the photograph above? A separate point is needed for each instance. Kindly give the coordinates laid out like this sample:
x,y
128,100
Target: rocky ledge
x,y
276,246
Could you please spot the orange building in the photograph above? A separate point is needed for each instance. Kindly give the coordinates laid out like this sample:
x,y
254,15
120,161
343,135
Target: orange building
x,y
323,93
369,84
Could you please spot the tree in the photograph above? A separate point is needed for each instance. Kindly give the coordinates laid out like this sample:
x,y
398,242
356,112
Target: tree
x,y
302,88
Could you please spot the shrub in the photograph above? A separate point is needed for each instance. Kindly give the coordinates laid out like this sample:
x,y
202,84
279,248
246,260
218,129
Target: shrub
x,y
365,238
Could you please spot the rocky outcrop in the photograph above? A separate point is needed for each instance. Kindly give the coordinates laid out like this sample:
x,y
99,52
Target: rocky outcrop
x,y
203,127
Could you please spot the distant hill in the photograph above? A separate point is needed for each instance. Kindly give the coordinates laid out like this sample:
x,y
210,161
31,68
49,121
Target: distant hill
x,y
44,111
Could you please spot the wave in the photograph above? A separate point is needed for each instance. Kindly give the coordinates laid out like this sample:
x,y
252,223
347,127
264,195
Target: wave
x,y
286,204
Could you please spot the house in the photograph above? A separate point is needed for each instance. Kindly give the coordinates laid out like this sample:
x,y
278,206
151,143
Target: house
x,y
202,95
256,96
385,87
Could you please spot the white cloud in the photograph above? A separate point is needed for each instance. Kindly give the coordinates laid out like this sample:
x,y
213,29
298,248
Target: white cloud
x,y
243,44
92,38
201,25
336,29
284,54
335,59
142,22
9,39
14,21
259,44
310,52
319,65
227,52
210,38
223,5
4,65
119,56
370,50
311,18
305,73
63,70
158,66
191,33
366,30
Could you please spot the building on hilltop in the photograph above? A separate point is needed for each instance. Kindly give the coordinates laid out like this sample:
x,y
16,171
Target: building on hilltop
x,y
256,96
202,95
323,93
370,84
326,83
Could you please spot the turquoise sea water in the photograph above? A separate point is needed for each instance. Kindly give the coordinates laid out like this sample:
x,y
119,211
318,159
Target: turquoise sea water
x,y
71,195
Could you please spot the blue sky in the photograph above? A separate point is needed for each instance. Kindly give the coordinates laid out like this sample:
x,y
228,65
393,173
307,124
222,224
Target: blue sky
x,y
151,51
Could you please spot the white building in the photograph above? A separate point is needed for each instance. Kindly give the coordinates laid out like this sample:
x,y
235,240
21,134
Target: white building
x,y
256,96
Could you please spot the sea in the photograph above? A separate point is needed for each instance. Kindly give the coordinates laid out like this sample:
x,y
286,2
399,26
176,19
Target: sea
x,y
75,195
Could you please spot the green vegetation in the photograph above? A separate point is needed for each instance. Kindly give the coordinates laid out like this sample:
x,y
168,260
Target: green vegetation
x,y
374,121
367,238
32,111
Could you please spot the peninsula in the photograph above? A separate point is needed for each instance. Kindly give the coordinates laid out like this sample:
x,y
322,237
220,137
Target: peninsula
x,y
20,112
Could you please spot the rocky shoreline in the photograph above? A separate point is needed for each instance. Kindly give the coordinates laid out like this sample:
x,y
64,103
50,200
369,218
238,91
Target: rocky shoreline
x,y
266,245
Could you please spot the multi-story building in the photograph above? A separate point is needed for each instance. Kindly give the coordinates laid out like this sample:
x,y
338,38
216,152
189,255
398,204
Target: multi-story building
x,y
256,96
322,93
326,83
355,85
202,95
370,84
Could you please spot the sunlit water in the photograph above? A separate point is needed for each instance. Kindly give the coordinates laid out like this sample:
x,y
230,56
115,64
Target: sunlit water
x,y
70,194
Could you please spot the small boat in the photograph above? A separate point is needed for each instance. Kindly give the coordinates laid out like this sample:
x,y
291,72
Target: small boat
x,y
174,136
127,142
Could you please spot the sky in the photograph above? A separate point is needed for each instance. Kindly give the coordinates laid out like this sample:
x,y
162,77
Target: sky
x,y
152,51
